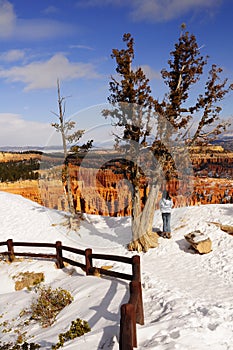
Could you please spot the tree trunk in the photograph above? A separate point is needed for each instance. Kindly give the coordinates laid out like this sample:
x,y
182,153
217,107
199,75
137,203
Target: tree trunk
x,y
73,220
69,190
143,237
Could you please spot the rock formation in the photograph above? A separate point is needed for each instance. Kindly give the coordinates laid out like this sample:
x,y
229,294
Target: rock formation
x,y
106,191
199,242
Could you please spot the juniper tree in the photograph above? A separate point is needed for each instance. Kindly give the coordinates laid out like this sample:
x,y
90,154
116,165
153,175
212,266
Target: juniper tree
x,y
133,111
137,112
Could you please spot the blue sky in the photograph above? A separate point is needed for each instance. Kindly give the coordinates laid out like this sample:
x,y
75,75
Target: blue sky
x,y
72,40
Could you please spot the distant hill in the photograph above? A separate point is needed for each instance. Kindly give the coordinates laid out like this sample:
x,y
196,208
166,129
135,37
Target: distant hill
x,y
225,141
54,148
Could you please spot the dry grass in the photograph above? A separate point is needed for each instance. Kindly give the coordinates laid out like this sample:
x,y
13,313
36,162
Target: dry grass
x,y
28,279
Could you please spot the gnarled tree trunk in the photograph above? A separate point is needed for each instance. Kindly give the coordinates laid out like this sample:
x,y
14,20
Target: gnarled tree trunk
x,y
143,237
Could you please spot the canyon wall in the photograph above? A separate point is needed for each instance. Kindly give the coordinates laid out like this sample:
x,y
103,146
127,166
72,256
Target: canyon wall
x,y
107,191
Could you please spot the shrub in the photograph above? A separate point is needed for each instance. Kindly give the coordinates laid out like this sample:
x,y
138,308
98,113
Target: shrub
x,y
24,346
77,329
49,303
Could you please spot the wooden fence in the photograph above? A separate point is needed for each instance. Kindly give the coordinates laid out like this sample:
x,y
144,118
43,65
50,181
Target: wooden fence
x,y
131,313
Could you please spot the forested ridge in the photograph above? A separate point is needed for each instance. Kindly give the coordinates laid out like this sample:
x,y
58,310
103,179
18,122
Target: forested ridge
x,y
19,170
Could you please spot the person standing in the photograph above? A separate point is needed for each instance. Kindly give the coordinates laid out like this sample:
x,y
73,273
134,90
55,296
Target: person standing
x,y
166,205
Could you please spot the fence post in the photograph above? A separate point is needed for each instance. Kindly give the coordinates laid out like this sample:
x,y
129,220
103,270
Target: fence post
x,y
10,246
59,262
136,268
128,337
136,289
88,260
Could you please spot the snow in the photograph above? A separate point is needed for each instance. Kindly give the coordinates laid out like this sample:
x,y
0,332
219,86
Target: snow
x,y
188,303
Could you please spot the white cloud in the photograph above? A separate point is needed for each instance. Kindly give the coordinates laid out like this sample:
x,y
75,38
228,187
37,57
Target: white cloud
x,y
165,10
15,131
150,73
7,19
40,75
82,47
28,29
12,55
155,10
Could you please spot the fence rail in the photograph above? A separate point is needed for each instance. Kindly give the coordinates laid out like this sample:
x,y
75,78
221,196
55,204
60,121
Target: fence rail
x,y
131,313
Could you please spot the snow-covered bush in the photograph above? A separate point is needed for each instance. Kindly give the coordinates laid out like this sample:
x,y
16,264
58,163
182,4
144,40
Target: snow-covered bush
x,y
48,304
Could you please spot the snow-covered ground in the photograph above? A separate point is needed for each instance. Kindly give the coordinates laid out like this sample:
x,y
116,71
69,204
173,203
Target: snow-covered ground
x,y
188,299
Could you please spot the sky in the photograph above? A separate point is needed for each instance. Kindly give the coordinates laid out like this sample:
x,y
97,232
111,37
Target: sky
x,y
72,40
187,297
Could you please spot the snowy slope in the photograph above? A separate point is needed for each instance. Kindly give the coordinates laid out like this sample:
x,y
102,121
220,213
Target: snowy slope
x,y
188,301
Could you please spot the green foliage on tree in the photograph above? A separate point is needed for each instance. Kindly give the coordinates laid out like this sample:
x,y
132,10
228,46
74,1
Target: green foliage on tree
x,y
186,68
130,96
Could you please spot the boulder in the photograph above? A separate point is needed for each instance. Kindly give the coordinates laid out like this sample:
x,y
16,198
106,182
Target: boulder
x,y
199,241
